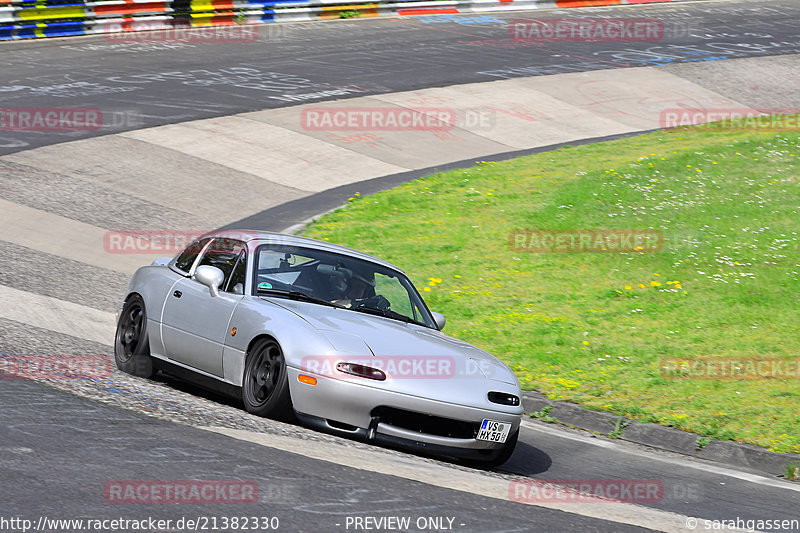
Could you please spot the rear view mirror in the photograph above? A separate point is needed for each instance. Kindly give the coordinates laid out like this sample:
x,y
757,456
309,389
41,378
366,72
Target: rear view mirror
x,y
338,271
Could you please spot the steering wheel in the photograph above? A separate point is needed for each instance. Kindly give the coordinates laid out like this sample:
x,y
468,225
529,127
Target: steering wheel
x,y
375,302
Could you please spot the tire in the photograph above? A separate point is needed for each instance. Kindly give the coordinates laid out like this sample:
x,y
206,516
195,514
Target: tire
x,y
131,344
265,387
502,456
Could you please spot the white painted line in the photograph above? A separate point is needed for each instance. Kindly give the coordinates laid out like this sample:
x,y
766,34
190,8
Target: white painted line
x,y
473,482
687,463
64,237
57,315
272,153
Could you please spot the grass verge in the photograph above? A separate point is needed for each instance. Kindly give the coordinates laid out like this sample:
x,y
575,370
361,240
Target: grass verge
x,y
594,328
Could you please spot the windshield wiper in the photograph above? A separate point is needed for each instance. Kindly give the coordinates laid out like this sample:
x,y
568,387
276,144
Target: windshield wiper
x,y
388,313
297,295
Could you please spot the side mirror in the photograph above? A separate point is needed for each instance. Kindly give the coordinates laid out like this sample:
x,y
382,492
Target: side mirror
x,y
439,319
211,277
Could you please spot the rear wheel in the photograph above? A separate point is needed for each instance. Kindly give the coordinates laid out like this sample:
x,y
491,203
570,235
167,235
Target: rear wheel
x,y
265,387
131,345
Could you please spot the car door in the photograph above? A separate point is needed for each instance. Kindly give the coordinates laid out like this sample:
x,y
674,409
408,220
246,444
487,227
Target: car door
x,y
195,324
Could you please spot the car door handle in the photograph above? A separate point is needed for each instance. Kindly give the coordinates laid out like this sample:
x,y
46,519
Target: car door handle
x,y
177,294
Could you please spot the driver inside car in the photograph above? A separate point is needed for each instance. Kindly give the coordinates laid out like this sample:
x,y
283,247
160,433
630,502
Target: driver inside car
x,y
361,292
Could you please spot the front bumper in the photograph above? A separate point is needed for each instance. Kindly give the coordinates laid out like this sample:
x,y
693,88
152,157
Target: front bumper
x,y
411,442
350,407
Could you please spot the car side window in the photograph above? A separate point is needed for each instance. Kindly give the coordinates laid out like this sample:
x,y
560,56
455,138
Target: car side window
x,y
187,258
222,253
236,282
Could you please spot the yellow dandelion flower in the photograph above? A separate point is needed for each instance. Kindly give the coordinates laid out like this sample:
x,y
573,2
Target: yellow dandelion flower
x,y
585,343
641,286
627,287
655,284
426,289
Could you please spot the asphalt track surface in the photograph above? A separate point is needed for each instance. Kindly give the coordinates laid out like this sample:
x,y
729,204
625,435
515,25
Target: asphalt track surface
x,y
58,450
143,84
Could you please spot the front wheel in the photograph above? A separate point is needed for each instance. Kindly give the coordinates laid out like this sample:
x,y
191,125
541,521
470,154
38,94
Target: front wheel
x,y
131,345
265,387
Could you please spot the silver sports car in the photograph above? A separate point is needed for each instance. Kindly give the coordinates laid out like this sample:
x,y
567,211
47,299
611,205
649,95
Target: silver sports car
x,y
336,338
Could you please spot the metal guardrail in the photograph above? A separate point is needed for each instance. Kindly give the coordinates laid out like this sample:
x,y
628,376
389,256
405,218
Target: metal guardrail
x,y
27,19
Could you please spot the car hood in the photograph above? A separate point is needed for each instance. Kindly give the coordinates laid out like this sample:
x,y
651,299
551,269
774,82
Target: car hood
x,y
364,334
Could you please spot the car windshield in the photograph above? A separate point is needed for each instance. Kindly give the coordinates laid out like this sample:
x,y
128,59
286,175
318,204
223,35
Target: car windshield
x,y
338,280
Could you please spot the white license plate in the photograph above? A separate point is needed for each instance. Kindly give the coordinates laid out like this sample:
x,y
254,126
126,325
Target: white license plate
x,y
494,431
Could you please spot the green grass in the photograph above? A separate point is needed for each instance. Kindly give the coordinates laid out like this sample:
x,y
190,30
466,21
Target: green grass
x,y
592,327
